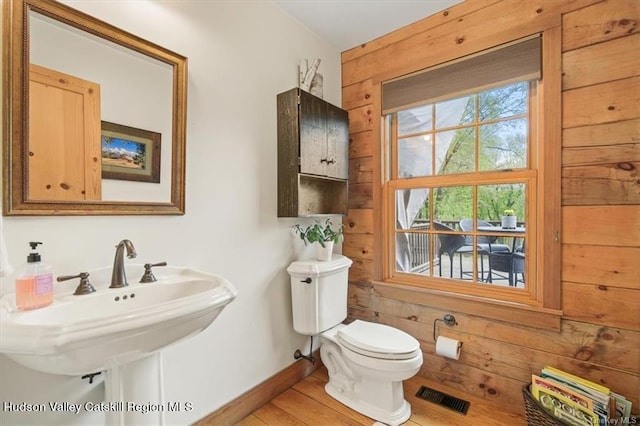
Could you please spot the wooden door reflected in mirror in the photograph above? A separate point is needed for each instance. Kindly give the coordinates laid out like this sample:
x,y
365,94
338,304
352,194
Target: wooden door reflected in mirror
x,y
63,108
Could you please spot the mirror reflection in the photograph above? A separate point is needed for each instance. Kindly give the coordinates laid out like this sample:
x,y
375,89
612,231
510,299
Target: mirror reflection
x,y
103,130
133,90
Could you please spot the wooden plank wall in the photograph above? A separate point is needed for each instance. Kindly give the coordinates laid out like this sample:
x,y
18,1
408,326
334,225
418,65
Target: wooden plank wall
x,y
600,331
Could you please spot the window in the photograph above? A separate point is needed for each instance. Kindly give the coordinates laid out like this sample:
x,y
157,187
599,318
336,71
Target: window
x,y
461,155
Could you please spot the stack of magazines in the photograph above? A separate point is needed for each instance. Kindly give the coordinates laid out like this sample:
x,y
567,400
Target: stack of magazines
x,y
577,401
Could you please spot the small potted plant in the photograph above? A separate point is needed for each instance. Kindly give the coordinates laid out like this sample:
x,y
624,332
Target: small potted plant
x,y
509,219
323,235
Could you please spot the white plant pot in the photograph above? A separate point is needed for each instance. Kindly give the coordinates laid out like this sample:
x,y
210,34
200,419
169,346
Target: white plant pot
x,y
324,253
509,222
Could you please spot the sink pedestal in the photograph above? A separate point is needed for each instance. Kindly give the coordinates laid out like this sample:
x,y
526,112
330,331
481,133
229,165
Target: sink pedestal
x,y
138,385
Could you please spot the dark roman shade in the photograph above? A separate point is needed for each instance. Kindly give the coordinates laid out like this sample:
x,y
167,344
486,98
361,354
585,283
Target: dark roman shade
x,y
516,61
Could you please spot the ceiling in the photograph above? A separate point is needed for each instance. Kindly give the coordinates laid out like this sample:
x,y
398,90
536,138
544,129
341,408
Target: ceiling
x,y
349,23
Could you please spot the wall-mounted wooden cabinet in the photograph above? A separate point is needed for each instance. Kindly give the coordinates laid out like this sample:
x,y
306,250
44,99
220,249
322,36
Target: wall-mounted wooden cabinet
x,y
313,155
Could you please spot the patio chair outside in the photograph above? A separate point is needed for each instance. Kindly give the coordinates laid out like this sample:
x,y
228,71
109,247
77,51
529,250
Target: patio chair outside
x,y
510,263
450,245
485,244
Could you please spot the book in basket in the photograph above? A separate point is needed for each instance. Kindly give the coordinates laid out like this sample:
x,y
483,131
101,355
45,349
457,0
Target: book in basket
x,y
565,409
623,407
599,395
551,385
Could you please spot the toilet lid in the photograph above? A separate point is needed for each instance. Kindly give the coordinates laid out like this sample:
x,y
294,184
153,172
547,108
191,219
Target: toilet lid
x,y
378,340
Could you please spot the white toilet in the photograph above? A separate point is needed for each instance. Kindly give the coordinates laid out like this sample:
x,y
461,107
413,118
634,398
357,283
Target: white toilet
x,y
366,361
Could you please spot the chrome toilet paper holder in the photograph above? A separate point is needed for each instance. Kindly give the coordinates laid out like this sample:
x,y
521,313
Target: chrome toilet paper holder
x,y
448,319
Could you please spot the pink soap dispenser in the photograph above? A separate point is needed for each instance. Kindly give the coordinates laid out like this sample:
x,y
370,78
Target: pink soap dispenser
x,y
34,285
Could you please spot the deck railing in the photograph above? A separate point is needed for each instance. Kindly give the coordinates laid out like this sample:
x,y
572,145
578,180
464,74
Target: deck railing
x,y
419,243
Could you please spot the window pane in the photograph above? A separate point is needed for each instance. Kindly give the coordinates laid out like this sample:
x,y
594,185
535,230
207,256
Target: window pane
x,y
415,120
412,213
412,208
455,151
493,200
504,248
403,253
451,204
412,253
414,156
455,112
503,145
451,255
507,268
503,102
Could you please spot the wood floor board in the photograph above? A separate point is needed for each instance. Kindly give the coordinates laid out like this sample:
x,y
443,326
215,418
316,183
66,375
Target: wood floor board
x,y
269,414
251,420
310,411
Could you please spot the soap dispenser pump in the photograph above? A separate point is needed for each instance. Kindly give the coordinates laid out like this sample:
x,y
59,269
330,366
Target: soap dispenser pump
x,y
34,285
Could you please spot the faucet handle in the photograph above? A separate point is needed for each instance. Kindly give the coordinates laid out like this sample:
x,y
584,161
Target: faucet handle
x,y
148,276
84,287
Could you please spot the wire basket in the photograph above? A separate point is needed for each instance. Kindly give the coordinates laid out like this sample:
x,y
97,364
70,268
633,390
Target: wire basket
x,y
536,415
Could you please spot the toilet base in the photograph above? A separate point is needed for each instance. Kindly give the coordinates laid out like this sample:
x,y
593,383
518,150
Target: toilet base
x,y
391,418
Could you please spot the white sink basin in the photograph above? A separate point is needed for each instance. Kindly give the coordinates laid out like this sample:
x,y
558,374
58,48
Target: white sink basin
x,y
112,327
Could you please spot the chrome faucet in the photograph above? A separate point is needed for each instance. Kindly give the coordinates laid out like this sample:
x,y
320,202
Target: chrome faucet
x,y
118,276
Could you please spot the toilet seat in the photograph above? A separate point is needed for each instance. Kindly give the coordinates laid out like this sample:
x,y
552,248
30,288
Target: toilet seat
x,y
378,341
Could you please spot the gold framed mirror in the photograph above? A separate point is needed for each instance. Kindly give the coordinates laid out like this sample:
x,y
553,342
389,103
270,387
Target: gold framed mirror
x,y
138,90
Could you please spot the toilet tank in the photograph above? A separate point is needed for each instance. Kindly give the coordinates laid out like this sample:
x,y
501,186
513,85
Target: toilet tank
x,y
319,293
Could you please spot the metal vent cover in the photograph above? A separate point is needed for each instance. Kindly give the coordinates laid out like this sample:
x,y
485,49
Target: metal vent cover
x,y
440,398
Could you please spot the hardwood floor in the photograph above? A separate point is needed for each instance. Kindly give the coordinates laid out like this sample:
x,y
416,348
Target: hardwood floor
x,y
306,403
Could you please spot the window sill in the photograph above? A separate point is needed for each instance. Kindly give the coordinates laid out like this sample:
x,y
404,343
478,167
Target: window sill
x,y
531,316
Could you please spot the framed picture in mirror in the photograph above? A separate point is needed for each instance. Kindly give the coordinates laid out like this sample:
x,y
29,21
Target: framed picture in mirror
x,y
129,153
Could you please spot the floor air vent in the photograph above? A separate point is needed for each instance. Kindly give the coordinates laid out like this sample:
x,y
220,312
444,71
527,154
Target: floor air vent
x,y
451,402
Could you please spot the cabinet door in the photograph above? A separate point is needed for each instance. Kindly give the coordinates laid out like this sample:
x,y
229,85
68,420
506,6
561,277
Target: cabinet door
x,y
337,143
313,131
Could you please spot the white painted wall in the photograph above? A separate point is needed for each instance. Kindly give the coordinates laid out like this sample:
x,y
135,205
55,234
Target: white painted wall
x,y
241,54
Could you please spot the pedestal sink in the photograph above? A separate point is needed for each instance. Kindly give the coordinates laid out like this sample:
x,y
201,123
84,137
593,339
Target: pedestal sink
x,y
119,331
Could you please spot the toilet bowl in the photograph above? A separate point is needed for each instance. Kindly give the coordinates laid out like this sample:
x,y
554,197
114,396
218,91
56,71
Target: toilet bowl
x,y
366,361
